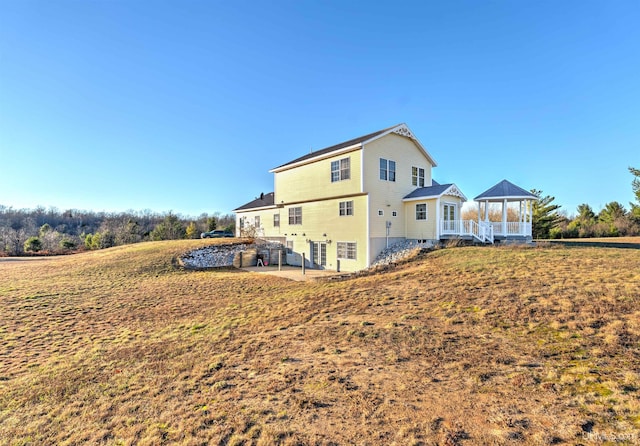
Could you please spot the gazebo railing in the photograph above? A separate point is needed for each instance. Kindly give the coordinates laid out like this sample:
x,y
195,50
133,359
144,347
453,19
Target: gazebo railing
x,y
513,228
484,231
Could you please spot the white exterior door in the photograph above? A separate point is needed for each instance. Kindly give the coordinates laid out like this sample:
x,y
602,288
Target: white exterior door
x,y
449,217
319,254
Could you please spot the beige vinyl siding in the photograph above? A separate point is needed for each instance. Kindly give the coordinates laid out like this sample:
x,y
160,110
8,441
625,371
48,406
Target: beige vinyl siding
x,y
421,229
387,195
266,221
321,222
313,181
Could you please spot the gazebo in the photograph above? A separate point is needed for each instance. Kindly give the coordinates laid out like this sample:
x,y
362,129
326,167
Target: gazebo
x,y
505,193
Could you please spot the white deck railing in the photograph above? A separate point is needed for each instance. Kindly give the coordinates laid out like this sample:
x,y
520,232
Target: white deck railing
x,y
512,228
484,231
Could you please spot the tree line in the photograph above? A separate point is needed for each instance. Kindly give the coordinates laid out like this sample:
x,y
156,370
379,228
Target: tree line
x,y
42,230
613,220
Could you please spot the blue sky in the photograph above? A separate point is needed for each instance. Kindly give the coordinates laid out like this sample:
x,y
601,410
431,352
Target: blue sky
x,y
186,105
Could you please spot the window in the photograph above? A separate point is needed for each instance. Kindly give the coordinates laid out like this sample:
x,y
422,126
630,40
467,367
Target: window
x,y
289,246
394,213
346,208
276,220
417,176
380,212
295,216
347,250
421,211
387,170
340,170
257,221
242,223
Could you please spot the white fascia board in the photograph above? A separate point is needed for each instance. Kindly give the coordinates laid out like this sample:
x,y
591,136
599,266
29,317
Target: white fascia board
x,y
508,198
263,208
413,137
426,197
316,158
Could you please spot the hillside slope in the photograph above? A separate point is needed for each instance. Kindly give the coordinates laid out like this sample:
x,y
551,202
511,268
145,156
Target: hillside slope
x,y
462,346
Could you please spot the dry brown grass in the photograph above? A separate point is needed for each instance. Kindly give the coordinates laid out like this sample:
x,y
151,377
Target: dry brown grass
x,y
461,346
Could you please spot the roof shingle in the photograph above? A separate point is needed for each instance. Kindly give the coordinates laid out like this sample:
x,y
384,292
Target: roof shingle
x,y
335,147
505,189
264,200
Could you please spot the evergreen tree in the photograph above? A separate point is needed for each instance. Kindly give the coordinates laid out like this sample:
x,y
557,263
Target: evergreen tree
x,y
545,215
635,186
33,244
171,228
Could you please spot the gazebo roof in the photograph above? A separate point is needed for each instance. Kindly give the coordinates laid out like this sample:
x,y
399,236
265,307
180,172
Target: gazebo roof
x,y
505,190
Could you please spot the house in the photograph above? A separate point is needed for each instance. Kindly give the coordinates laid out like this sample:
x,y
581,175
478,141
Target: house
x,y
342,205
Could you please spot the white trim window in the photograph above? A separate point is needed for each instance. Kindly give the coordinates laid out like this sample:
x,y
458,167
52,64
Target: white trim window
x,y
394,213
345,208
346,250
387,170
276,220
417,176
380,213
289,246
340,170
295,216
256,221
421,211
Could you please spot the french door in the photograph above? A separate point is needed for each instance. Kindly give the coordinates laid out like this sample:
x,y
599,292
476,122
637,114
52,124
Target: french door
x,y
449,217
319,254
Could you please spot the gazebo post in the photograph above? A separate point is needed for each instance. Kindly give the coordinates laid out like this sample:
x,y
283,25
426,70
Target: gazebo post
x,y
521,219
504,217
479,214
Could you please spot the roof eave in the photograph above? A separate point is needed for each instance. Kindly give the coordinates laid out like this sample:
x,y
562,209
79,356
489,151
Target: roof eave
x,y
317,158
509,198
425,197
261,208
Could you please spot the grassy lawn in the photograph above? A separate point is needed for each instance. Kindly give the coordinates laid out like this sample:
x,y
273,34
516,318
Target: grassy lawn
x,y
461,346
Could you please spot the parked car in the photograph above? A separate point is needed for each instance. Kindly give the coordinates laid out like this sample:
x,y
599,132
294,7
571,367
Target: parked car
x,y
216,234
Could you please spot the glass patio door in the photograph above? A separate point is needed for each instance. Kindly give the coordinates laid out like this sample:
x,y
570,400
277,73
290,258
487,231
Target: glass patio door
x,y
319,254
449,219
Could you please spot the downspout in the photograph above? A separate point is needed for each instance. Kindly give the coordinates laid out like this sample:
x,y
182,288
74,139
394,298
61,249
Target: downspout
x,y
438,219
368,238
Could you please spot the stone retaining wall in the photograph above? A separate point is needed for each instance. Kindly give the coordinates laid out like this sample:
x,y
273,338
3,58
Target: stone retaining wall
x,y
399,251
220,256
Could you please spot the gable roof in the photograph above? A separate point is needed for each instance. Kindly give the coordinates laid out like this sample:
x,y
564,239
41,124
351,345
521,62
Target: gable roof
x,y
400,129
434,191
505,189
265,201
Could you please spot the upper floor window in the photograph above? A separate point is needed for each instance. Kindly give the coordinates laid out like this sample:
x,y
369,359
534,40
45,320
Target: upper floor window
x,y
340,170
417,176
421,211
346,208
387,170
276,220
295,216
